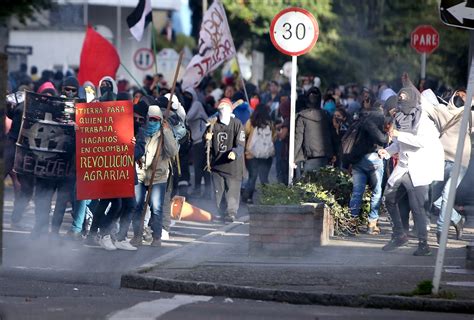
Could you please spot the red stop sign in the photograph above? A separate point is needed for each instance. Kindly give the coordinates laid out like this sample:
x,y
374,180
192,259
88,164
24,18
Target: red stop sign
x,y
425,39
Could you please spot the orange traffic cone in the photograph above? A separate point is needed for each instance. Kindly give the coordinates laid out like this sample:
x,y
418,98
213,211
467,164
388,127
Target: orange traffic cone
x,y
182,210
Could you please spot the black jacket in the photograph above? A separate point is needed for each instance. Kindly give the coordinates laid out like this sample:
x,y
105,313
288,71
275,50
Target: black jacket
x,y
373,135
314,135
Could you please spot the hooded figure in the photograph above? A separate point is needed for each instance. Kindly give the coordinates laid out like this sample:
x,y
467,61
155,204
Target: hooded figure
x,y
107,89
314,139
409,110
196,116
176,106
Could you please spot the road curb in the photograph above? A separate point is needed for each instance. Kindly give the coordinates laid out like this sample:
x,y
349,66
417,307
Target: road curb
x,y
140,281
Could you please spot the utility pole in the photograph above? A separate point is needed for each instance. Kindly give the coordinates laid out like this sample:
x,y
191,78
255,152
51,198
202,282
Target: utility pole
x,y
3,89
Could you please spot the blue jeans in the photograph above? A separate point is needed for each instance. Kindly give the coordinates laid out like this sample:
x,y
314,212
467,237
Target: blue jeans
x,y
156,205
258,168
441,191
368,170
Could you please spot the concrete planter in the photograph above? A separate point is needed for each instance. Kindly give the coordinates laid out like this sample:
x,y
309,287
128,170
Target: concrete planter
x,y
289,230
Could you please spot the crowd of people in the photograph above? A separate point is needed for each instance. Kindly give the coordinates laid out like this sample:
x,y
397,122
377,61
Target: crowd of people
x,y
381,137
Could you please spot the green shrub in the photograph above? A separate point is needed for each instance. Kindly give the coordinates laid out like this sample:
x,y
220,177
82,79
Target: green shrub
x,y
329,185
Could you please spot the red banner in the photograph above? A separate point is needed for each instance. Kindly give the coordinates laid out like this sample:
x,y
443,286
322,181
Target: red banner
x,y
104,152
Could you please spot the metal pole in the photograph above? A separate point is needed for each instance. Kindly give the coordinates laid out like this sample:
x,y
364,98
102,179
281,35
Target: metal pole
x,y
204,7
86,13
3,89
423,66
119,27
454,179
291,153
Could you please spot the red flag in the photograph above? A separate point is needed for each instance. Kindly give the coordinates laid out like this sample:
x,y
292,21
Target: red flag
x,y
99,58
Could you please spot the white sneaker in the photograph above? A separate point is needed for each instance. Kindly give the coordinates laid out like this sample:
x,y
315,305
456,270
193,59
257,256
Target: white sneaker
x,y
124,245
106,243
165,235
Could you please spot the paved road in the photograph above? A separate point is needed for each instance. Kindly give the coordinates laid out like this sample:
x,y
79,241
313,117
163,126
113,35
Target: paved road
x,y
66,280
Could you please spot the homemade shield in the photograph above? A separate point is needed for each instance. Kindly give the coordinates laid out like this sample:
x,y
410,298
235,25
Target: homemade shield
x,y
45,146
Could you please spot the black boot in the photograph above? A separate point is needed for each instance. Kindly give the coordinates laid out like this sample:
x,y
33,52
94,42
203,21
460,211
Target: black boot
x,y
423,249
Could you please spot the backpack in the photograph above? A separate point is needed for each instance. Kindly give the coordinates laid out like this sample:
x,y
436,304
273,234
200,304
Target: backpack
x,y
261,143
350,142
180,131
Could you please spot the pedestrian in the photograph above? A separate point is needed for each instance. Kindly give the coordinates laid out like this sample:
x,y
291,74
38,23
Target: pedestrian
x,y
367,168
259,149
196,120
420,163
160,147
448,121
314,138
225,139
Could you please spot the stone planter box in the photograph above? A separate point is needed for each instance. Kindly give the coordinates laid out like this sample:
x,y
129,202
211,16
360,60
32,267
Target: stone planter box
x,y
289,230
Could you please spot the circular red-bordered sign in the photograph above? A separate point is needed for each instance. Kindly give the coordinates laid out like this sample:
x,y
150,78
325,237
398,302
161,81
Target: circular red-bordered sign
x,y
143,59
294,31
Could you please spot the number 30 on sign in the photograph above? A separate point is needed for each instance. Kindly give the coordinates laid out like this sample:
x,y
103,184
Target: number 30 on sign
x,y
294,31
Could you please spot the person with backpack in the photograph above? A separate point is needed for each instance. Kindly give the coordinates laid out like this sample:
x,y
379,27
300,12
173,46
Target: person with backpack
x,y
359,152
259,149
314,137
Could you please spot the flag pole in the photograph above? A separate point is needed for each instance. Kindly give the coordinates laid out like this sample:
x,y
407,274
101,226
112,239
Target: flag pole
x,y
134,79
153,42
241,76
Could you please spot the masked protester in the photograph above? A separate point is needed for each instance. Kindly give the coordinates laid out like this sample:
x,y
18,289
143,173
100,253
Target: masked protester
x,y
420,163
90,90
157,134
107,89
225,137
448,122
70,87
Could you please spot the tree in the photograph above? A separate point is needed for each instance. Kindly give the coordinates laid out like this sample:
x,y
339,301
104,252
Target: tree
x,y
22,9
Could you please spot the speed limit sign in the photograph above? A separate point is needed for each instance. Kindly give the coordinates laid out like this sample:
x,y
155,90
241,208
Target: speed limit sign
x,y
294,31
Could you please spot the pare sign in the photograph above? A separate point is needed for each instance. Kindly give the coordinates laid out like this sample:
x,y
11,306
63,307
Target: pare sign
x,y
425,39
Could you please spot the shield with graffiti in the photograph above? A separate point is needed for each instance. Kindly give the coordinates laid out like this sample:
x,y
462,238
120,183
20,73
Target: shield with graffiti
x,y
45,145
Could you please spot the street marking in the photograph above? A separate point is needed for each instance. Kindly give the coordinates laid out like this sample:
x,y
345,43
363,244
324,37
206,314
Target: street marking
x,y
156,308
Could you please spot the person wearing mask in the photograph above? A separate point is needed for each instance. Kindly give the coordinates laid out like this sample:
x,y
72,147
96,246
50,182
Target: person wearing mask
x,y
226,139
313,134
158,134
259,149
415,140
45,188
448,121
107,89
196,119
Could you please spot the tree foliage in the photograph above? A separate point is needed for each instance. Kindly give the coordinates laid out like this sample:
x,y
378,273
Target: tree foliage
x,y
362,41
21,9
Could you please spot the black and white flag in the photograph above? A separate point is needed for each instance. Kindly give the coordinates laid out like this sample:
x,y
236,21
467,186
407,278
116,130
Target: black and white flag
x,y
140,18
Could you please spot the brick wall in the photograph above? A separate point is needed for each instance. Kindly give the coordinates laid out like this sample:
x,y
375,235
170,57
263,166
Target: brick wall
x,y
287,230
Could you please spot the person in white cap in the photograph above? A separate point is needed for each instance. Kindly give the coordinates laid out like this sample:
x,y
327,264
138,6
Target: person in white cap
x,y
155,130
225,140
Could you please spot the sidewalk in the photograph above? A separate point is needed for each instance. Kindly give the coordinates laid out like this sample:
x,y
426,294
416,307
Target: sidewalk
x,y
350,271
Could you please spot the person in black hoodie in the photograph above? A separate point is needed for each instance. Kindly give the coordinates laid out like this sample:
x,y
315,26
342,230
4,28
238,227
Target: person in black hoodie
x,y
314,138
367,167
226,137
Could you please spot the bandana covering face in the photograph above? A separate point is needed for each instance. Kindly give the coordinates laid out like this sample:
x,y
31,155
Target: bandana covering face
x,y
152,127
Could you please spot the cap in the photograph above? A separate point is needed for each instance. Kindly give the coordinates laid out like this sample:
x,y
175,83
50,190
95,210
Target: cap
x,y
154,111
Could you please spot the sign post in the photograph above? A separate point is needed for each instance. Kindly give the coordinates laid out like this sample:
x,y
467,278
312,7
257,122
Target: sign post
x,y
449,15
424,39
293,31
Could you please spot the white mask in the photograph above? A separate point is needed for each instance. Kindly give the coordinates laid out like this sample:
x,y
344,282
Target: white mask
x,y
225,114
